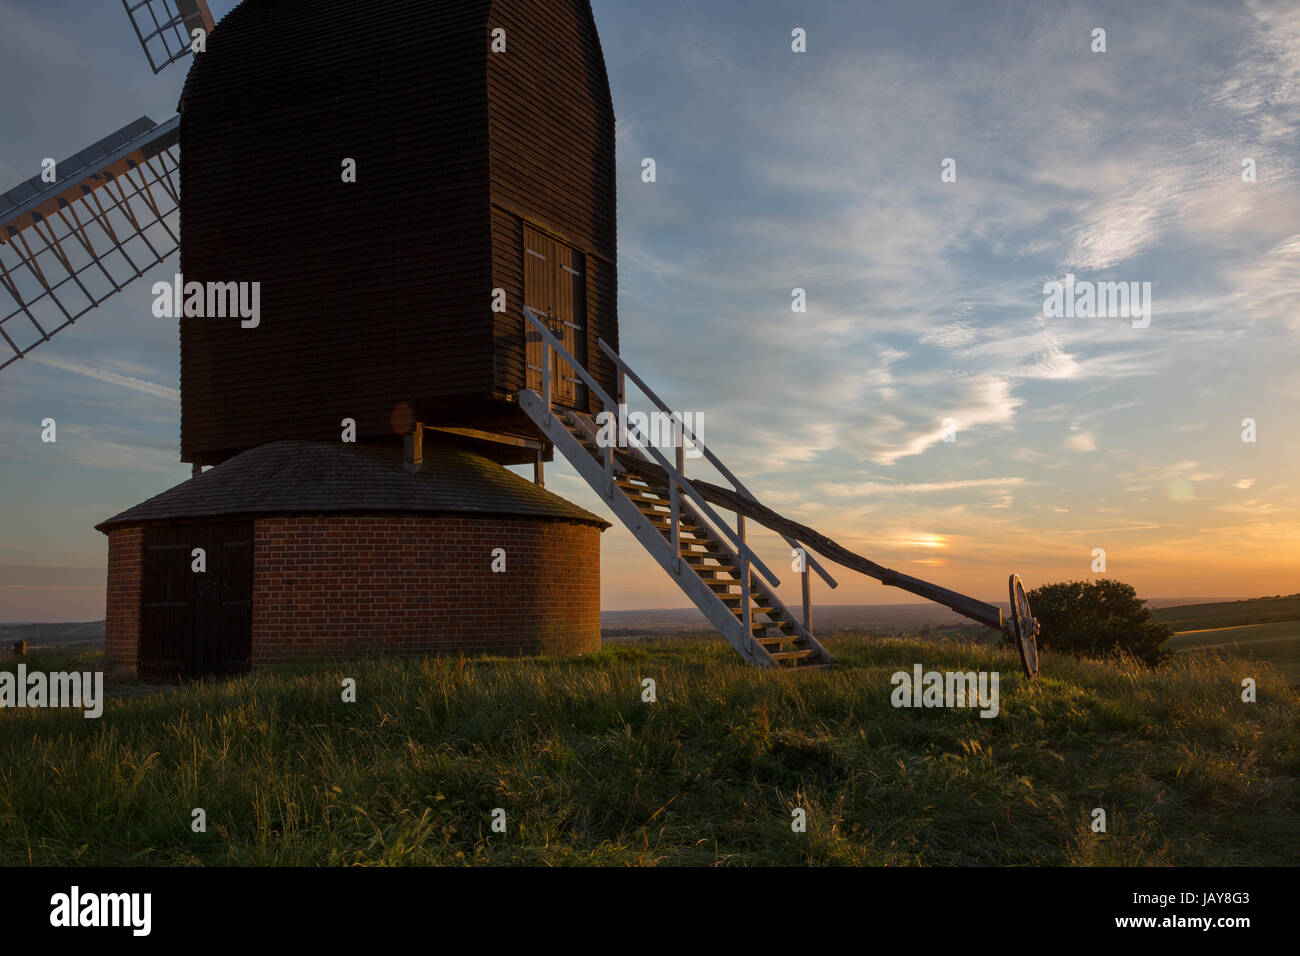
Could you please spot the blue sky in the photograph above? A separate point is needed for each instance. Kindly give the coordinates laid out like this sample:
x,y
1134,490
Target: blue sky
x,y
821,171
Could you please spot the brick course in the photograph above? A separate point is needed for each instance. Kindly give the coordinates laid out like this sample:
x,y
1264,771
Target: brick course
x,y
122,610
338,587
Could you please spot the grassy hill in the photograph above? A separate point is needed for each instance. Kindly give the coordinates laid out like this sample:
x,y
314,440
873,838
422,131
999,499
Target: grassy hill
x,y
1264,629
1194,617
588,774
84,635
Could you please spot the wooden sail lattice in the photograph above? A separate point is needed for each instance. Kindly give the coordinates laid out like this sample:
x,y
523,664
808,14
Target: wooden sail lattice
x,y
165,28
111,214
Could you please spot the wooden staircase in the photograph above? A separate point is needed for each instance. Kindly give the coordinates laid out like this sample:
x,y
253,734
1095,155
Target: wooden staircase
x,y
715,568
780,639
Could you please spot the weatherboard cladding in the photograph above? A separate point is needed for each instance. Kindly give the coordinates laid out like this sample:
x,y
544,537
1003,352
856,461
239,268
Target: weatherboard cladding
x,y
296,478
552,145
371,291
376,293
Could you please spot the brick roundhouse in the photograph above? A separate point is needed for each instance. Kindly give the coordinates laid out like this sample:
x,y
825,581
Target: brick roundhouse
x,y
318,551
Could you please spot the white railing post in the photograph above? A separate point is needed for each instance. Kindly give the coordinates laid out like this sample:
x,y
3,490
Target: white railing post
x,y
546,375
620,426
624,371
609,468
746,619
675,506
679,439
807,597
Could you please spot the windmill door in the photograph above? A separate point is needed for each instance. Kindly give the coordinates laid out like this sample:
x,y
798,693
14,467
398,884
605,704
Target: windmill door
x,y
554,288
196,623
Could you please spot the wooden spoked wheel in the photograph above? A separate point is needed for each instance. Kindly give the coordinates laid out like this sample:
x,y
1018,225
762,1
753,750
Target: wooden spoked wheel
x,y
1024,629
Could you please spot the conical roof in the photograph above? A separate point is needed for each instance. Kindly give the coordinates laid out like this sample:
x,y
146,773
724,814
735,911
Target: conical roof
x,y
299,477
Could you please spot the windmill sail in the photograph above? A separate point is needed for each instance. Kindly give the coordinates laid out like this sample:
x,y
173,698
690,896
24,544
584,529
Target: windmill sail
x,y
68,245
166,28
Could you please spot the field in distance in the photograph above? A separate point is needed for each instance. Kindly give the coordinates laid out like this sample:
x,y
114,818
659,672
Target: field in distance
x,y
1265,629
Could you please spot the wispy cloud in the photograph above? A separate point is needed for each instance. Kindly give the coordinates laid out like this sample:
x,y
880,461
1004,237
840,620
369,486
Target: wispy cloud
x,y
107,375
877,488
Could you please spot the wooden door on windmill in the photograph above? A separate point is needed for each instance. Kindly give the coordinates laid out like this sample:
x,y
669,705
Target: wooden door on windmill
x,y
554,290
195,623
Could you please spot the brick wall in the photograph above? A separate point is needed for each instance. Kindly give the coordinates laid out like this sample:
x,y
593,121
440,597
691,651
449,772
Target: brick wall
x,y
122,612
337,587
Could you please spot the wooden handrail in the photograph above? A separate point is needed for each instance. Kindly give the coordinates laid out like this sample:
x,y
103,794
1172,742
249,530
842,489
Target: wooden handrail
x,y
987,614
713,459
549,341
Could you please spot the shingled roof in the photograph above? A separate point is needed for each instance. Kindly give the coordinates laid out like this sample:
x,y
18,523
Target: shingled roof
x,y
299,477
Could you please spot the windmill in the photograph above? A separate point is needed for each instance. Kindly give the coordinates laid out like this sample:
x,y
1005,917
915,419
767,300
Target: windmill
x,y
376,195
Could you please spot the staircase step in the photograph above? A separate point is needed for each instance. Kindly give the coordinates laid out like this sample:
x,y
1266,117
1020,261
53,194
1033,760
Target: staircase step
x,y
698,567
657,507
703,547
663,519
696,560
757,621
645,502
777,639
763,611
716,575
779,656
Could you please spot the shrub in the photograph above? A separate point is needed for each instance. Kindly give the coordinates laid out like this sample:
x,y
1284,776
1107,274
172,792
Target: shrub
x,y
1100,618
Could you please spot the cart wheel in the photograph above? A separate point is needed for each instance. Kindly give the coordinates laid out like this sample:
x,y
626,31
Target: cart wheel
x,y
1024,628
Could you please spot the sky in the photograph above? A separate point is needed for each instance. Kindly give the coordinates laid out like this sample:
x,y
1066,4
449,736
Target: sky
x,y
824,171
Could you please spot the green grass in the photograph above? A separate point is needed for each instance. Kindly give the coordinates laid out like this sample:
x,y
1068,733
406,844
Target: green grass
x,y
1191,617
1277,643
1265,629
288,774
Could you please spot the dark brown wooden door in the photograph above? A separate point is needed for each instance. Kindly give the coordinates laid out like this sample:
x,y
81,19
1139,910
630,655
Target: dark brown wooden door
x,y
554,288
195,624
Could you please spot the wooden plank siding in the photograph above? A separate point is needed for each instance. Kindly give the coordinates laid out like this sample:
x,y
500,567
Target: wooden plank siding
x,y
376,294
373,293
552,145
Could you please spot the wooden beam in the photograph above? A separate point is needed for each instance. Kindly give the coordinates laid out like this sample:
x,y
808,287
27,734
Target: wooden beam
x,y
990,615
499,439
414,449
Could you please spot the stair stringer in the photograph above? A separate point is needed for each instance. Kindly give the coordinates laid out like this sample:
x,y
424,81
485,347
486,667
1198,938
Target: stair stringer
x,y
692,585
757,586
